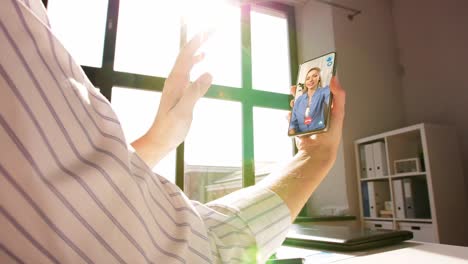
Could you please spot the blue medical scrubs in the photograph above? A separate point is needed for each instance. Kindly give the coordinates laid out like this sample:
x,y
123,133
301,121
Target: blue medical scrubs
x,y
320,100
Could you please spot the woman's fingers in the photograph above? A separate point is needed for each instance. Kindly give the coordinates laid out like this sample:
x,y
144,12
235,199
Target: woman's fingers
x,y
195,43
338,104
179,79
293,90
188,57
194,92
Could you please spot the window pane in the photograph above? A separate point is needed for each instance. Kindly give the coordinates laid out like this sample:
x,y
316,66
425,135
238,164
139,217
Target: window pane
x,y
213,150
272,144
136,110
148,37
270,52
82,35
223,49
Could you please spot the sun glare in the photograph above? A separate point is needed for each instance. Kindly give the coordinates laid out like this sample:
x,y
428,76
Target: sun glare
x,y
206,14
223,49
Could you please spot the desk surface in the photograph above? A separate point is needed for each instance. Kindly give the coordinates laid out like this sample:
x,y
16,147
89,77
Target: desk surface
x,y
413,252
406,252
308,219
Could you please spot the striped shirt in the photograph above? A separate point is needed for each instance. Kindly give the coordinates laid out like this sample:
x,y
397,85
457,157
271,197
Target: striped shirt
x,y
73,191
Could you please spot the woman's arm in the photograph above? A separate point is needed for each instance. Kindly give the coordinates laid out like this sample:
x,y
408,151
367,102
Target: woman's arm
x,y
175,112
316,155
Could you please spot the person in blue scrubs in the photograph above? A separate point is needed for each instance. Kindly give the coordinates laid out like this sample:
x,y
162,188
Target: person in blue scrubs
x,y
310,108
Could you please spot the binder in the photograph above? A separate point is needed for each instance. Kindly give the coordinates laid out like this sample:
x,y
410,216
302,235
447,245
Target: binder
x,y
372,205
365,199
422,208
369,153
416,198
409,204
380,159
378,194
399,199
362,161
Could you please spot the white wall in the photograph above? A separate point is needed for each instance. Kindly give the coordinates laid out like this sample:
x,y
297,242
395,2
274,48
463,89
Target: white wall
x,y
368,69
433,43
314,25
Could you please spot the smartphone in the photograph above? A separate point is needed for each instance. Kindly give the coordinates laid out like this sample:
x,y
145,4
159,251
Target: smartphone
x,y
312,101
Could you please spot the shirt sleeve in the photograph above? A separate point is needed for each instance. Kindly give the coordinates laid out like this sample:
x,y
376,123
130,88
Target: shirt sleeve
x,y
37,8
327,94
294,122
246,226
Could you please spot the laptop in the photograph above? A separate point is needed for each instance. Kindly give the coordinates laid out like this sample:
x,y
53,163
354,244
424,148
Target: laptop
x,y
343,238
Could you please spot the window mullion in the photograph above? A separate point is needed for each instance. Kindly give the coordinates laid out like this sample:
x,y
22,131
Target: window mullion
x,y
248,170
105,80
293,60
180,151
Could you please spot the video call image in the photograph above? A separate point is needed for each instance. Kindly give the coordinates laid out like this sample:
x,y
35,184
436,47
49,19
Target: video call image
x,y
312,99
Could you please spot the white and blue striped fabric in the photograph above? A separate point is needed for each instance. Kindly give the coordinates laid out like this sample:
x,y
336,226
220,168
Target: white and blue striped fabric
x,y
73,191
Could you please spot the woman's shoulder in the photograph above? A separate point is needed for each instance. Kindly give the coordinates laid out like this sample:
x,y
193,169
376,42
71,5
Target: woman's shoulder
x,y
302,96
325,89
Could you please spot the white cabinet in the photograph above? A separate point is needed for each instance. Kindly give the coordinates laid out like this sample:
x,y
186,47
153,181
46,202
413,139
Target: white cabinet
x,y
421,231
411,179
378,224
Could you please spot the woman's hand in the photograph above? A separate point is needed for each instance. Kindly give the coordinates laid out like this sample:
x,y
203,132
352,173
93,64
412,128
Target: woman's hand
x,y
179,96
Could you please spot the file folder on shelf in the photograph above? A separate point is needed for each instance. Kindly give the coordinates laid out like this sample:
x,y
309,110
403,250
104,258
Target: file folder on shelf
x,y
365,199
369,152
362,161
378,193
416,198
380,159
399,199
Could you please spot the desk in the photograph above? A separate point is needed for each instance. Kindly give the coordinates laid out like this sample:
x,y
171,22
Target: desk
x,y
406,252
315,219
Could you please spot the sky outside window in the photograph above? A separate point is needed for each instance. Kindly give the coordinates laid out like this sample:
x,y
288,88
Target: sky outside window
x,y
270,51
81,29
223,49
148,37
272,144
136,110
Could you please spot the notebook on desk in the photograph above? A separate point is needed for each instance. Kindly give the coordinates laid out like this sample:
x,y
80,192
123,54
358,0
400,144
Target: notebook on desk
x,y
343,238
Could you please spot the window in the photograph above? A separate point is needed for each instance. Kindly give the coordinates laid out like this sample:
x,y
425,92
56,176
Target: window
x,y
223,49
83,38
272,144
136,110
242,117
270,51
213,150
148,37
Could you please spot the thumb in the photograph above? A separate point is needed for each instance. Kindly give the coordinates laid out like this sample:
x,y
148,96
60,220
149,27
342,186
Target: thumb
x,y
195,91
338,105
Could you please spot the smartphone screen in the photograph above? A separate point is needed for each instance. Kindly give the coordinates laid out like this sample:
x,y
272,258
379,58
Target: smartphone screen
x,y
312,101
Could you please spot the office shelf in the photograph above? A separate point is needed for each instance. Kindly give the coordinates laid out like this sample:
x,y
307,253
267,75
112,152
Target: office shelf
x,y
409,174
440,214
415,220
379,218
375,178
